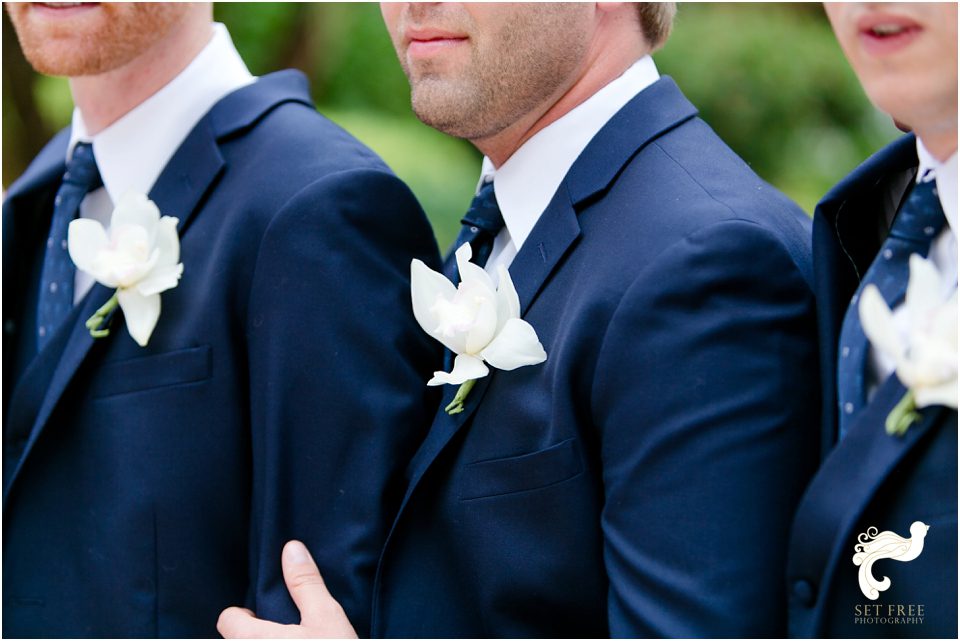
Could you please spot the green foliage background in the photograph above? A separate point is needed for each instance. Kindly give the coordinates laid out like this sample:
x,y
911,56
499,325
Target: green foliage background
x,y
769,78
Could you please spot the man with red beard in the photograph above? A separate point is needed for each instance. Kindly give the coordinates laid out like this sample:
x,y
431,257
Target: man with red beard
x,y
151,478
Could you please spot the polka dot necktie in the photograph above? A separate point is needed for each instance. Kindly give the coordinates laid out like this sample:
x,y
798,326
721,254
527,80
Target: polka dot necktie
x,y
56,281
481,224
916,225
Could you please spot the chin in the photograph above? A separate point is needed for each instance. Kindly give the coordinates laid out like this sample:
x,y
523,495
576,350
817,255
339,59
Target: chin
x,y
912,102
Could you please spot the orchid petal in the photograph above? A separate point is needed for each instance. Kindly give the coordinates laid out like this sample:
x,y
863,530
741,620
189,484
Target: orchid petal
x,y
508,302
141,313
516,346
471,272
944,322
85,240
877,322
484,326
427,287
160,279
944,394
168,241
138,210
923,288
465,368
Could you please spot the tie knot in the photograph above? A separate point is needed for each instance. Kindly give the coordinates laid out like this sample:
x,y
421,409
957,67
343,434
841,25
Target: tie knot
x,y
484,212
921,217
82,168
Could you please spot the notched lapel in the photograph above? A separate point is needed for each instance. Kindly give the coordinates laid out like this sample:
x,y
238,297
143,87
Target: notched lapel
x,y
78,345
179,191
553,235
650,114
188,176
443,429
845,485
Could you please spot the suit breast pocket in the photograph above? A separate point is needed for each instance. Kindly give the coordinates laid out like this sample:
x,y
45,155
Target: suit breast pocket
x,y
526,472
190,365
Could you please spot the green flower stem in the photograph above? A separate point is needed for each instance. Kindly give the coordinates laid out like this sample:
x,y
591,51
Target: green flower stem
x,y
902,416
456,405
99,316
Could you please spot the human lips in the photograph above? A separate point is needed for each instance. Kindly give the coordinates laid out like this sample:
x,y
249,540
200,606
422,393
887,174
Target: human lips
x,y
426,42
63,9
885,33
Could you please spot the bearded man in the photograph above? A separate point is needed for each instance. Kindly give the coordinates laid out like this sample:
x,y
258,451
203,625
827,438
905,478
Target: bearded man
x,y
640,481
152,476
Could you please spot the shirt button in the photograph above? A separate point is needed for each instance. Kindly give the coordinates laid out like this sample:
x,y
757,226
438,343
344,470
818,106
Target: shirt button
x,y
845,351
804,592
848,408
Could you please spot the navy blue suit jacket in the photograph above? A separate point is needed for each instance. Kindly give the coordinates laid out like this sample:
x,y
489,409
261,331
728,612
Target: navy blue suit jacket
x,y
280,395
641,481
871,479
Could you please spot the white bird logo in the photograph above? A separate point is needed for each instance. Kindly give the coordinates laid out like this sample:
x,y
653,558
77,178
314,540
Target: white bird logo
x,y
886,545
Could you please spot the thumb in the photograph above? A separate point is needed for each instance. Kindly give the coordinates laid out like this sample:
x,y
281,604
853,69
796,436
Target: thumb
x,y
305,584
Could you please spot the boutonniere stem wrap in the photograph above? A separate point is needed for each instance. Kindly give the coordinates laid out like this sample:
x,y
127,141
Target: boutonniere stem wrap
x,y
138,255
478,322
924,349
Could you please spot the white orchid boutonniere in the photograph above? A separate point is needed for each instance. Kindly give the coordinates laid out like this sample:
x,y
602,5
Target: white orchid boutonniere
x,y
138,255
925,356
479,323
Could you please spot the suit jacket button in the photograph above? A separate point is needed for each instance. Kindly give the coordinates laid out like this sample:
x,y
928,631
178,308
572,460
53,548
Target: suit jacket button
x,y
804,592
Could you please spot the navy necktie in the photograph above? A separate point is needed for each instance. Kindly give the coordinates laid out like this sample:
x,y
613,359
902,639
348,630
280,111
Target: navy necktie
x,y
481,224
916,225
56,280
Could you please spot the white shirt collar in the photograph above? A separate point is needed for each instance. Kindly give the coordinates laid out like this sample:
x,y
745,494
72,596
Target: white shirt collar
x,y
527,181
133,151
946,176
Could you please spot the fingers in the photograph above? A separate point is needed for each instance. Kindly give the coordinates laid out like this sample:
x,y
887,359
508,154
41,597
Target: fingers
x,y
240,623
318,608
304,582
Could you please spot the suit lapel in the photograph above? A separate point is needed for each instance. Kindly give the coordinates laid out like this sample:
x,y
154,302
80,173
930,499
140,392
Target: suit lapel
x,y
849,226
179,191
655,110
846,483
549,241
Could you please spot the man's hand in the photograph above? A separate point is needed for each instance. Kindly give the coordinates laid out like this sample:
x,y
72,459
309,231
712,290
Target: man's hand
x,y
321,617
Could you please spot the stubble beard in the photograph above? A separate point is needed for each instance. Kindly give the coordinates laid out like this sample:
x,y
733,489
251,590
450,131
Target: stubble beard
x,y
61,52
504,81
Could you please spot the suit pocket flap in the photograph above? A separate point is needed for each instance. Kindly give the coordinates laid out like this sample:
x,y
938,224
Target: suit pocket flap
x,y
521,473
157,370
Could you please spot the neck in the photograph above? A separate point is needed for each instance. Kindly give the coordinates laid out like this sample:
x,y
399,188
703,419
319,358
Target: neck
x,y
940,142
611,53
105,98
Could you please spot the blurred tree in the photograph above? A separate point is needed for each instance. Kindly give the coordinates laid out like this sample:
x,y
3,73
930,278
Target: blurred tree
x,y
772,81
768,77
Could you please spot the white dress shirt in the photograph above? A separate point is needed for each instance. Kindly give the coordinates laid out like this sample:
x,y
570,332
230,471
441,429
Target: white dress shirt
x,y
132,152
943,252
527,181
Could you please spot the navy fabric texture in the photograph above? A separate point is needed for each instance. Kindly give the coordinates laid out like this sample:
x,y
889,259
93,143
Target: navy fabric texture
x,y
56,283
641,481
869,478
913,231
145,489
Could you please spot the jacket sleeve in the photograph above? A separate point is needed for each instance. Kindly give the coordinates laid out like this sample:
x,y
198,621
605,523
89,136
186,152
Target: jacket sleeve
x,y
706,400
337,375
